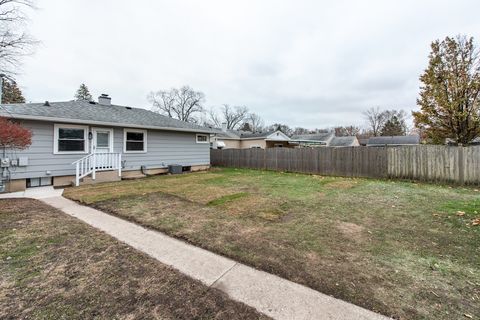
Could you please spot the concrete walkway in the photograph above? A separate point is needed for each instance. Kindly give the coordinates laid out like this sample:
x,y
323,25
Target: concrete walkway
x,y
269,294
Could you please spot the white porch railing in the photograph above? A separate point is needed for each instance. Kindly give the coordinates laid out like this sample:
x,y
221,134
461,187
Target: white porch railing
x,y
94,162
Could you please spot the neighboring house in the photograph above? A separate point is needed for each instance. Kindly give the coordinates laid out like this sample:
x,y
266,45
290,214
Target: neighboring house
x,y
475,142
326,139
451,142
235,139
382,141
80,140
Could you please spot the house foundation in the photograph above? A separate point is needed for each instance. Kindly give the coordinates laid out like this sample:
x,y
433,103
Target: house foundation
x,y
101,176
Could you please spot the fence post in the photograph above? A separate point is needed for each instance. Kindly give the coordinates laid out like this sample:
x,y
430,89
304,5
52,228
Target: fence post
x,y
461,167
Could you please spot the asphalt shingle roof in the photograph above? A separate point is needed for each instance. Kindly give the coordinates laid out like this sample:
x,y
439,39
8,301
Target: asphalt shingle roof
x,y
256,134
321,136
86,112
343,141
238,134
393,140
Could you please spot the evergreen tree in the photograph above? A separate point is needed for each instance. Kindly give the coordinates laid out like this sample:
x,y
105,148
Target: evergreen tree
x,y
83,93
393,127
450,95
246,127
11,93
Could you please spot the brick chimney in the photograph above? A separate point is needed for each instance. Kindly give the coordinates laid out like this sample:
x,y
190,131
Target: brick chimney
x,y
105,100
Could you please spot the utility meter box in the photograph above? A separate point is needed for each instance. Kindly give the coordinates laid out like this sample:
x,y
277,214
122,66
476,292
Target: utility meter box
x,y
4,163
22,161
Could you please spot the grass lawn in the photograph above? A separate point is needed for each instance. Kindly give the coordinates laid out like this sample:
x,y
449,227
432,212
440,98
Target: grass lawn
x,y
53,266
407,250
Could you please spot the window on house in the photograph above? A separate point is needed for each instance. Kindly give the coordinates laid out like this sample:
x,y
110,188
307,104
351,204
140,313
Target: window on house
x,y
70,139
135,140
278,145
202,138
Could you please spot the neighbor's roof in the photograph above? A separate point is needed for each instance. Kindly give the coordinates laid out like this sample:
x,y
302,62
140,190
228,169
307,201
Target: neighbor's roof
x,y
363,141
347,141
239,134
230,134
95,113
321,136
248,135
393,140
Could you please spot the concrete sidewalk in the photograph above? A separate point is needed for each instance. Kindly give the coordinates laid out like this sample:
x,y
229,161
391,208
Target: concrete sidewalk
x,y
269,294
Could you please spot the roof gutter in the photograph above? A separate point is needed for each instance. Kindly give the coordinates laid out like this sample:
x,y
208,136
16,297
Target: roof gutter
x,y
100,123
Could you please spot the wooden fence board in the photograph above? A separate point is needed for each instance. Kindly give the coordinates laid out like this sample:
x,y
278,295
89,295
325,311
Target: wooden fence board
x,y
422,162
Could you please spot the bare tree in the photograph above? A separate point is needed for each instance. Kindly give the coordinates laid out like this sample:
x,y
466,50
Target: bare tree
x,y
182,104
14,41
214,118
300,131
255,121
347,131
233,117
376,119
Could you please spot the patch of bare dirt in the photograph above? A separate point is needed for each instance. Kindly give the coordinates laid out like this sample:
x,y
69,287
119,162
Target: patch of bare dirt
x,y
341,184
351,230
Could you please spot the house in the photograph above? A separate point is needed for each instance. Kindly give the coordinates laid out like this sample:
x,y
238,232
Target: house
x,y
475,142
346,141
325,139
235,139
382,141
81,141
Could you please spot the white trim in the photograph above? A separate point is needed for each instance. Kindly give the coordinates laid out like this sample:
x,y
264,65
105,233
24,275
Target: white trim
x,y
125,130
98,123
57,126
206,136
110,138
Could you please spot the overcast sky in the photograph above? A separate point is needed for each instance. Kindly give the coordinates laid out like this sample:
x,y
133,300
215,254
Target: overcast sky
x,y
305,63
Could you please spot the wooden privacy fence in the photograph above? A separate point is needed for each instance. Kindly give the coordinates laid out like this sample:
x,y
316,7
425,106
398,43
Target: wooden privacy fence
x,y
422,162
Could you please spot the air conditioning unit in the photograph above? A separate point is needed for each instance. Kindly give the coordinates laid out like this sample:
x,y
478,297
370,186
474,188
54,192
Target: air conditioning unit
x,y
175,169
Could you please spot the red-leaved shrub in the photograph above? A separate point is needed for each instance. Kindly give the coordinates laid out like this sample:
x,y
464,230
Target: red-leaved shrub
x,y
13,135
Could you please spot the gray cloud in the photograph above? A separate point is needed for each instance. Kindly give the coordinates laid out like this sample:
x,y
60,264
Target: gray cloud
x,y
307,63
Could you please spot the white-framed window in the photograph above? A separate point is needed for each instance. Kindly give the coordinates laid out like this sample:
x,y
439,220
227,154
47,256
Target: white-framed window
x,y
134,141
202,138
70,139
255,146
278,145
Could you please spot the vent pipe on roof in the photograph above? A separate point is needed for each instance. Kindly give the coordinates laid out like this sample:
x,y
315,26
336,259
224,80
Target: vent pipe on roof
x,y
104,99
46,104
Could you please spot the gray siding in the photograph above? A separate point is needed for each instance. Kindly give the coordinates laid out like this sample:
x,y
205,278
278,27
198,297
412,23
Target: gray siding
x,y
163,148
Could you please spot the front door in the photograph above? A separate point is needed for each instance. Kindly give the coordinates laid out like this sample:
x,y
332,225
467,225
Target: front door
x,y
102,144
